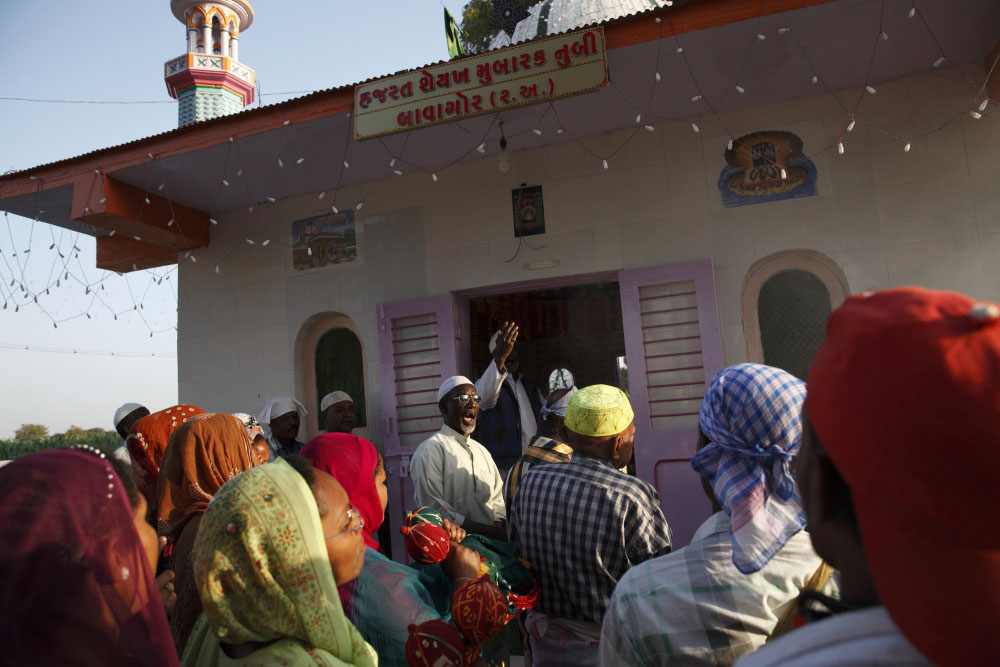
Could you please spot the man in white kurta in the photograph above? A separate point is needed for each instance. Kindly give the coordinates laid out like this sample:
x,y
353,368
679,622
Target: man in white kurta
x,y
453,473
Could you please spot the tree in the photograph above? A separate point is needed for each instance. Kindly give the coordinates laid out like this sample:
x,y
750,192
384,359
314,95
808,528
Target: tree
x,y
475,28
31,432
75,432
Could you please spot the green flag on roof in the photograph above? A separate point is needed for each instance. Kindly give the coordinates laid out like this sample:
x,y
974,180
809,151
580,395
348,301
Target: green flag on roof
x,y
455,47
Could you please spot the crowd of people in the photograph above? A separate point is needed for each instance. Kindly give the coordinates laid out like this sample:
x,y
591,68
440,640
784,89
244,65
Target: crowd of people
x,y
850,521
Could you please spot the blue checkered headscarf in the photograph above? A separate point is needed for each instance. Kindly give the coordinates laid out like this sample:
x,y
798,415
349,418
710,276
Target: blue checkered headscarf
x,y
752,418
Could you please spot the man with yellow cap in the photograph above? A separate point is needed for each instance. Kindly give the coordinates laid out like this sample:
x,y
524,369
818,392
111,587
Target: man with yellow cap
x,y
583,524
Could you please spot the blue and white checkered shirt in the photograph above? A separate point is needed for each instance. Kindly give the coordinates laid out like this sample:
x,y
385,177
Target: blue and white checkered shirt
x,y
583,524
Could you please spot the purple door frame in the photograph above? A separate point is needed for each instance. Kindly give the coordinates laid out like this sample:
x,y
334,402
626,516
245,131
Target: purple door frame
x,y
397,456
662,456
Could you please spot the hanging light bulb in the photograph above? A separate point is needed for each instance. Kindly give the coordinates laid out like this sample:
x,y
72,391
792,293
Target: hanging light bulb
x,y
850,126
503,160
906,148
985,103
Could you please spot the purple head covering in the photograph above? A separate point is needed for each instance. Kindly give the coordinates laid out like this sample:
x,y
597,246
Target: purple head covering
x,y
76,586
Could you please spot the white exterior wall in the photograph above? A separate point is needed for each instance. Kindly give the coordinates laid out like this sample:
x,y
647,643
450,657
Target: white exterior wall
x,y
929,217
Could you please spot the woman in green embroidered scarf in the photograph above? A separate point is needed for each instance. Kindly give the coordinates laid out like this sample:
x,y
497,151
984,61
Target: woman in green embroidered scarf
x,y
273,546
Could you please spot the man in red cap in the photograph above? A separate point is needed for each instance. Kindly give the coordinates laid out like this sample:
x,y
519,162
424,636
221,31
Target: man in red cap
x,y
900,455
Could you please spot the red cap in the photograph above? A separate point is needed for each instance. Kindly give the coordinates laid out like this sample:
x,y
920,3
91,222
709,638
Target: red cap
x,y
904,396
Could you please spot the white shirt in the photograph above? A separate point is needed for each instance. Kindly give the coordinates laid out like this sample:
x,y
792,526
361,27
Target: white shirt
x,y
488,388
456,475
864,637
695,607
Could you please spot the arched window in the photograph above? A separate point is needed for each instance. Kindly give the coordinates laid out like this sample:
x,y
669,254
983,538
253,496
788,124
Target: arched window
x,y
216,36
340,366
330,356
786,300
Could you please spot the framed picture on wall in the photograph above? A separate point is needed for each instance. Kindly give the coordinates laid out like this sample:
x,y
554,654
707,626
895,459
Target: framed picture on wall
x,y
322,240
529,211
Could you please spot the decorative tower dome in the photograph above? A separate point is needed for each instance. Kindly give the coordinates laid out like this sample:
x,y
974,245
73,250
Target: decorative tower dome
x,y
209,80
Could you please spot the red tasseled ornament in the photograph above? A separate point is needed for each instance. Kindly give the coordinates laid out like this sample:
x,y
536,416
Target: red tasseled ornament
x,y
438,644
479,609
426,542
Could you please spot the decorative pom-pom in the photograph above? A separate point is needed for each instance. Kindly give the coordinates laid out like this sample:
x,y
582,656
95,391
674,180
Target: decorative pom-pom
x,y
479,609
436,642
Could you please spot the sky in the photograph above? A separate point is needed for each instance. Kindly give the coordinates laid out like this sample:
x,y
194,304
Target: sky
x,y
114,50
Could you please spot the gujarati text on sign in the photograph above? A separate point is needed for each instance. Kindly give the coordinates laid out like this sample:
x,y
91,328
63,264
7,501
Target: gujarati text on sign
x,y
530,73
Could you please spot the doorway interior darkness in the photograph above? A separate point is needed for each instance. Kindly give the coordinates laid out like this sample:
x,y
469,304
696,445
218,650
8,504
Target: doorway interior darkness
x,y
576,328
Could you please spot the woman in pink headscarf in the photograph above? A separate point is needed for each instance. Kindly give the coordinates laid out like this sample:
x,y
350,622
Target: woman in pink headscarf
x,y
355,463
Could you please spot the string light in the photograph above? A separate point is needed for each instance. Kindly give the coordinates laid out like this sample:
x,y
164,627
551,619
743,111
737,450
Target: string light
x,y
729,146
225,182
638,118
280,163
434,177
346,165
696,98
985,103
815,79
883,35
300,160
538,132
249,241
694,126
322,194
976,114
604,163
939,62
761,37
906,148
266,241
360,204
840,146
481,148
740,89
870,89
911,13
397,172
212,220
648,128
170,223
850,126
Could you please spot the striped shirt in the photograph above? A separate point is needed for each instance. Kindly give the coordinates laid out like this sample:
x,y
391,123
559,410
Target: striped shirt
x,y
583,524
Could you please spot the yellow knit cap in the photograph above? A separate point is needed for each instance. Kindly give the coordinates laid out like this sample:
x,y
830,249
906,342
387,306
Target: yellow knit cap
x,y
599,410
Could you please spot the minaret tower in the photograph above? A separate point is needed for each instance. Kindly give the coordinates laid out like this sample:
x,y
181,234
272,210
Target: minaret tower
x,y
209,80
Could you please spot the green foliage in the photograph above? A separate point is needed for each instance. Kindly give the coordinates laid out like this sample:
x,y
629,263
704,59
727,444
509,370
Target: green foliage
x,y
106,441
31,432
475,28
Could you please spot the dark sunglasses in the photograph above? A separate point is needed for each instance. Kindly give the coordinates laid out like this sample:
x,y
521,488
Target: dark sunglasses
x,y
463,399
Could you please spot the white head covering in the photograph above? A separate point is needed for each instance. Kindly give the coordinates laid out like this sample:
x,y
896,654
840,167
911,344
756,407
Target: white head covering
x,y
124,411
558,407
281,405
451,383
334,397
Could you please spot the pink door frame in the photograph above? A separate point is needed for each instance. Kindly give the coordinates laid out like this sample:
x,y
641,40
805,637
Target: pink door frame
x,y
661,456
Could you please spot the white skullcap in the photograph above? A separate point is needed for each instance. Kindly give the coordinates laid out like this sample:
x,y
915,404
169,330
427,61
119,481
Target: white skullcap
x,y
279,406
334,397
451,383
558,407
493,341
124,411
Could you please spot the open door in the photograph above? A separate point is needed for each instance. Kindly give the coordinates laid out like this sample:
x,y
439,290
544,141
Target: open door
x,y
416,351
673,348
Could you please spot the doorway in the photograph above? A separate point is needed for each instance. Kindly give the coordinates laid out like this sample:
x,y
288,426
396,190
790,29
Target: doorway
x,y
568,335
